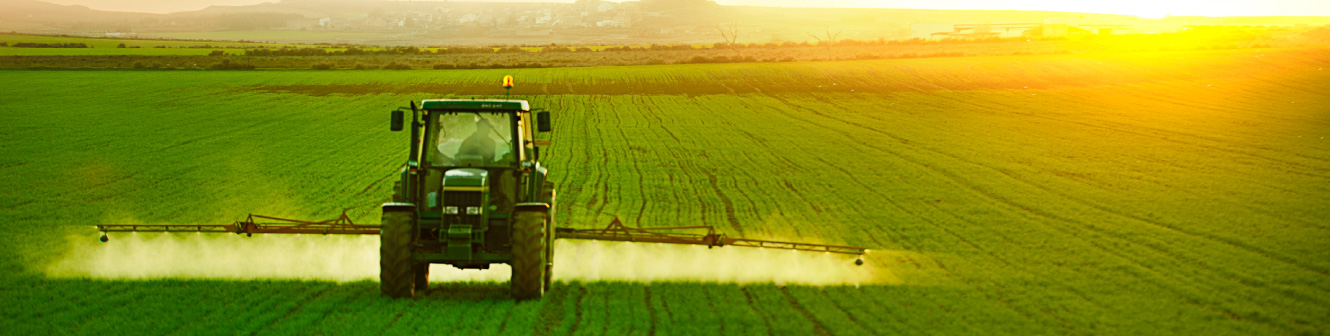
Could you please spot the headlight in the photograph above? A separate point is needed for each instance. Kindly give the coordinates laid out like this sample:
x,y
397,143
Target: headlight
x,y
451,210
473,210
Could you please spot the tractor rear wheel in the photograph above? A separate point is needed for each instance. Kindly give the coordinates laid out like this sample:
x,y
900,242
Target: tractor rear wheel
x,y
529,256
421,277
395,269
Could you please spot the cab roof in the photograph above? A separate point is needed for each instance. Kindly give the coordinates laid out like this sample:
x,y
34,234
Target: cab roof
x,y
476,104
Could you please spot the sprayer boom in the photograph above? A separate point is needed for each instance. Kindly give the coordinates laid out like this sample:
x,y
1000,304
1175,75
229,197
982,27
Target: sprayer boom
x,y
687,235
251,225
616,231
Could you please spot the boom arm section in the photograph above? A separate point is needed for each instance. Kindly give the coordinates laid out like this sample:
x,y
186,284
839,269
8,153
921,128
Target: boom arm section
x,y
616,231
252,225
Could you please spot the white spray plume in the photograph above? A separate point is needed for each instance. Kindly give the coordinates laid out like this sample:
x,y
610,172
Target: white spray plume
x,y
355,258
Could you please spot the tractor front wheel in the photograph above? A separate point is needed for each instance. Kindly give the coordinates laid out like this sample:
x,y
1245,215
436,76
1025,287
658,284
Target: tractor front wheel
x,y
396,273
528,255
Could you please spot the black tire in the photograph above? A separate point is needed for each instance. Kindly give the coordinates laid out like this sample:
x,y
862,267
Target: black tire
x,y
395,269
548,194
529,242
421,277
549,262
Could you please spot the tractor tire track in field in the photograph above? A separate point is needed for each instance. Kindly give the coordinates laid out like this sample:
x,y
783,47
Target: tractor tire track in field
x,y
729,206
609,316
245,302
651,311
503,324
1105,209
1118,127
973,188
651,111
602,183
1122,128
637,170
752,305
295,309
711,304
955,178
396,317
604,178
1191,297
551,312
745,171
850,176
1173,228
848,315
577,310
818,328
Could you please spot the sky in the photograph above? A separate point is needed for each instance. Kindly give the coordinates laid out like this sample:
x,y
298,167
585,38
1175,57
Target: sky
x,y
1143,8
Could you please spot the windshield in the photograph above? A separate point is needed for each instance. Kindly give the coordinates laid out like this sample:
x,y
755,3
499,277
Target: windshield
x,y
462,139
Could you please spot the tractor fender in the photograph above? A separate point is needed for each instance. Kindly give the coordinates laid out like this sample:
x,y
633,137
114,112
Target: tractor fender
x,y
533,206
398,207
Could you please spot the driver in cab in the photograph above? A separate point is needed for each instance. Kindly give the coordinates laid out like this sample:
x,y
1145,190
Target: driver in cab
x,y
476,149
478,144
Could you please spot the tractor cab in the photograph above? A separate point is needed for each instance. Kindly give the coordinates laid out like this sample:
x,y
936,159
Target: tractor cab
x,y
473,151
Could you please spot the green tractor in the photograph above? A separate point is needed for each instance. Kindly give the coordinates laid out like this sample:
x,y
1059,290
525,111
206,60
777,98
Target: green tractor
x,y
473,193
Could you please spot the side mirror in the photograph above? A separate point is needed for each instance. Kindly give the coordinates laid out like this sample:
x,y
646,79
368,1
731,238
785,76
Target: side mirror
x,y
396,124
543,121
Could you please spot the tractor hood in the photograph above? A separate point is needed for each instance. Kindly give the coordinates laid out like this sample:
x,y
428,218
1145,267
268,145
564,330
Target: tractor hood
x,y
465,179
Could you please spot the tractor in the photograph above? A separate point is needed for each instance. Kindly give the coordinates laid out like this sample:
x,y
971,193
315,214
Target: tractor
x,y
473,193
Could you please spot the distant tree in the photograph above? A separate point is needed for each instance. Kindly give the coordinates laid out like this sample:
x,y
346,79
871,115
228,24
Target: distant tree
x,y
217,53
396,66
122,45
3,44
830,38
227,65
730,32
1321,33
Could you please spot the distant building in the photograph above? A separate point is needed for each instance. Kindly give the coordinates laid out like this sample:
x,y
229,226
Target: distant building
x,y
468,18
926,30
1054,29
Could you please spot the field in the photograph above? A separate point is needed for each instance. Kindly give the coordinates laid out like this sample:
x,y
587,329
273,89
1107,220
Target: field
x,y
108,46
1117,193
271,36
185,55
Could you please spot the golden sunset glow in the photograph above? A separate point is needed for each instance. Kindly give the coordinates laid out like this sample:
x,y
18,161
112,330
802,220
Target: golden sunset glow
x,y
667,167
1141,8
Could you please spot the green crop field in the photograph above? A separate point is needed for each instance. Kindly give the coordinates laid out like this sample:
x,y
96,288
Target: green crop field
x,y
108,46
1121,193
271,36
